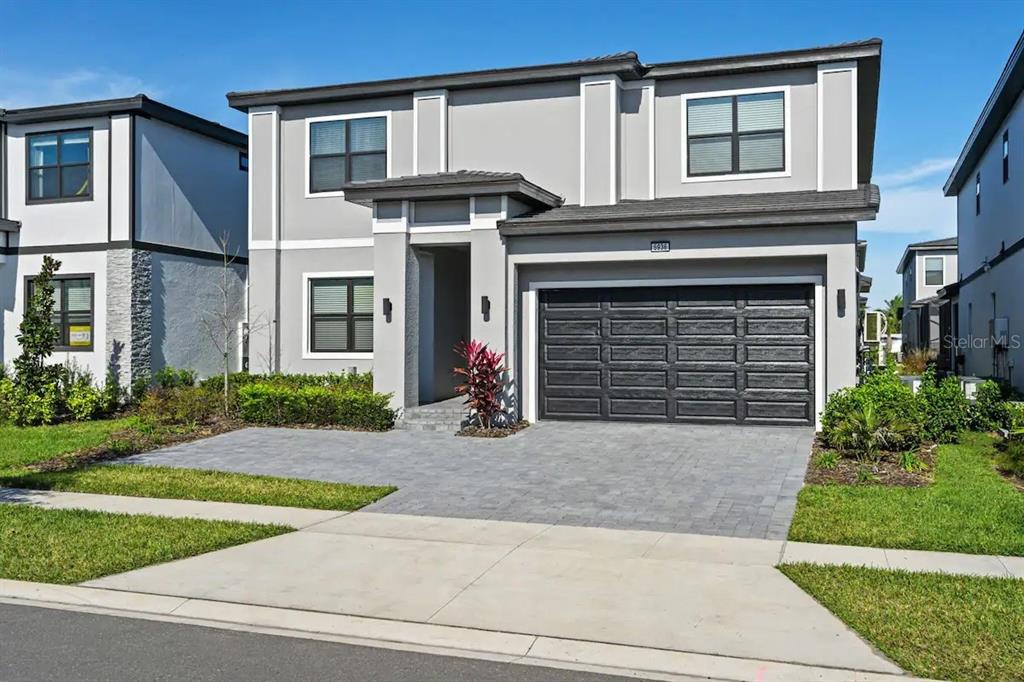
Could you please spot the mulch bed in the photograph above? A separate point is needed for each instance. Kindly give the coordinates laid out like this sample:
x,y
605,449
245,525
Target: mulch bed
x,y
496,432
886,471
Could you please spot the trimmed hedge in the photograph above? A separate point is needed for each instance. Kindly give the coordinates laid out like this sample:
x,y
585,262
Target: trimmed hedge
x,y
277,403
337,382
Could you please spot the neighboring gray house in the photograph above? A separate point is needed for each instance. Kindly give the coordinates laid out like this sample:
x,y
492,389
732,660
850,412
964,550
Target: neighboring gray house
x,y
670,242
988,183
132,196
926,268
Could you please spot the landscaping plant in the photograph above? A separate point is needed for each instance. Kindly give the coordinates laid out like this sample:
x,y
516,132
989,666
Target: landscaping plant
x,y
37,334
990,410
483,381
946,410
280,404
917,361
889,398
866,431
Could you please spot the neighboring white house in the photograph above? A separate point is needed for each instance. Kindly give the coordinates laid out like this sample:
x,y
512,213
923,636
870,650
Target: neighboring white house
x,y
988,183
651,242
132,196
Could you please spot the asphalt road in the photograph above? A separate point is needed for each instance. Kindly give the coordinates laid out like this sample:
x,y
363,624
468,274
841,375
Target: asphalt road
x,y
49,644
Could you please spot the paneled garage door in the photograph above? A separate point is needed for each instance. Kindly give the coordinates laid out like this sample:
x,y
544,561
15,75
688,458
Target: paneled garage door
x,y
735,354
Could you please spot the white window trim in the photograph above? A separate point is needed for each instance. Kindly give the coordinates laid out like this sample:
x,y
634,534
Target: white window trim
x,y
307,354
924,270
346,117
787,114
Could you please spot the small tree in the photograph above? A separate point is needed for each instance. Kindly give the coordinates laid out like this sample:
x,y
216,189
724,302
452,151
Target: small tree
x,y
37,334
483,383
220,324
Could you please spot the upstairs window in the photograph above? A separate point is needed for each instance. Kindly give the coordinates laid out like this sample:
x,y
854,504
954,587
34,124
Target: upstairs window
x,y
934,269
341,315
72,311
736,134
347,150
1006,155
59,166
977,194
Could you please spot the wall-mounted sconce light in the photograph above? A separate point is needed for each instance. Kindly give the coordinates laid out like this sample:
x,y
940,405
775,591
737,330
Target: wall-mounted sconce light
x,y
485,308
387,309
841,302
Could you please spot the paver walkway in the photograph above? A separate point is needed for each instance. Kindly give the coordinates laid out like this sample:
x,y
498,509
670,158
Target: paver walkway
x,y
717,480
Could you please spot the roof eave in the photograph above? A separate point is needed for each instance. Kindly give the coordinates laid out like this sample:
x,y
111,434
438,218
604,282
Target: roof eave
x,y
367,194
998,105
7,225
140,105
511,228
627,67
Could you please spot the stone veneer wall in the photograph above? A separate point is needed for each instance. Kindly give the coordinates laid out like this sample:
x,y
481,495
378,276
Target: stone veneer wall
x,y
129,313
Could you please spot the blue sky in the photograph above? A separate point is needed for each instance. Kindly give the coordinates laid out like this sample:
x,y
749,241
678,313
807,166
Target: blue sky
x,y
940,61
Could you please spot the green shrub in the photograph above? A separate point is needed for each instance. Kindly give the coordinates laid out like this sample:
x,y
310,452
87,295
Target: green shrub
x,y
889,398
866,431
336,382
170,377
946,409
827,459
1010,458
990,410
23,408
84,401
1015,415
275,403
188,405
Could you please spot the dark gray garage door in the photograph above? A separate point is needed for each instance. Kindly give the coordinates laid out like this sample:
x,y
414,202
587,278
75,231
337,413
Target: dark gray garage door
x,y
678,354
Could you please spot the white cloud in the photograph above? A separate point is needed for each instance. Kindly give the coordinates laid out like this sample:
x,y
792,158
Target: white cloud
x,y
919,171
913,202
20,89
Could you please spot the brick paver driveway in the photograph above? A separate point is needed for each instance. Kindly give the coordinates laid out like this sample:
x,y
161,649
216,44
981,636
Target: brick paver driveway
x,y
721,480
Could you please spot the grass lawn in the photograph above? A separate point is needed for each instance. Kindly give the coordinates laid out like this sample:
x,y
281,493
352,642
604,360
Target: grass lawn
x,y
969,508
20,446
933,625
194,484
69,546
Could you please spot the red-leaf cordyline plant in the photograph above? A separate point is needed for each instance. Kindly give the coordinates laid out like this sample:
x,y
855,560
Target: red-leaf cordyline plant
x,y
483,380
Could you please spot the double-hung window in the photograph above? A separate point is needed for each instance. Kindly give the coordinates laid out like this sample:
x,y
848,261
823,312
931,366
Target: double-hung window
x,y
933,271
736,134
72,311
348,150
341,315
59,166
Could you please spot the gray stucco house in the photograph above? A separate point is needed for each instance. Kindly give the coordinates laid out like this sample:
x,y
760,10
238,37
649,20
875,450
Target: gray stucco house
x,y
988,183
656,242
926,269
133,197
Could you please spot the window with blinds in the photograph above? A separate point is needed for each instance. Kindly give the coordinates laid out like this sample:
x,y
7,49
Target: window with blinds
x,y
340,152
72,311
341,315
736,134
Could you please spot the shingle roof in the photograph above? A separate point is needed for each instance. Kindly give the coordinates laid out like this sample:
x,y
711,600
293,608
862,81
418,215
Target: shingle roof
x,y
139,104
455,184
944,243
775,208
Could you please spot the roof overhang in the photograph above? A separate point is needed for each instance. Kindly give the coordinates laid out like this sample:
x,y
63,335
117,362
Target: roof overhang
x,y
140,105
863,283
456,185
904,261
950,291
7,225
704,212
1008,88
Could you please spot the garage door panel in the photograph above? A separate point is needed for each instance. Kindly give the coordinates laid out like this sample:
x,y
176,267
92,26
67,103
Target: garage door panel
x,y
690,354
637,379
571,353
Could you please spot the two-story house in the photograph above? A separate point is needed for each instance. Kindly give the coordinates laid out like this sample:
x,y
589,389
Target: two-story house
x,y
988,183
133,197
926,268
672,242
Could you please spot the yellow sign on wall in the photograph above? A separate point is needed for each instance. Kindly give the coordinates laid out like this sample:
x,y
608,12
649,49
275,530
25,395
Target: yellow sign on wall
x,y
80,335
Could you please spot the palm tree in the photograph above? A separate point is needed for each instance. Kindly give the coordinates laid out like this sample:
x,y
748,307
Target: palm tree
x,y
893,322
